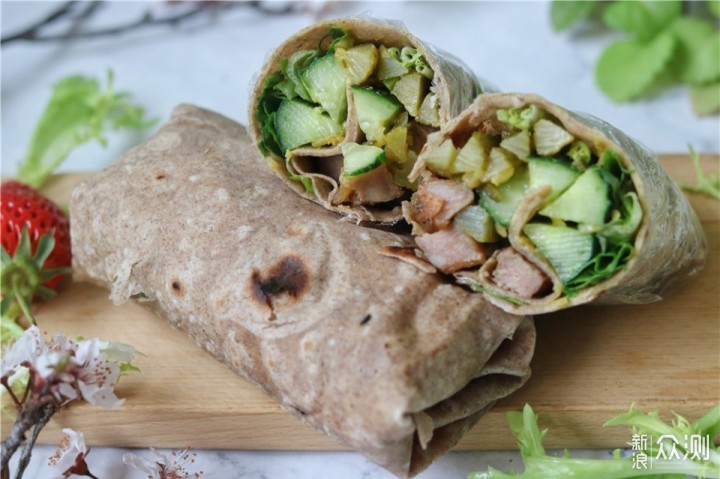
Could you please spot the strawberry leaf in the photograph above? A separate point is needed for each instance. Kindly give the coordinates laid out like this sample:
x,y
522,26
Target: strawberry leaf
x,y
644,19
565,14
628,69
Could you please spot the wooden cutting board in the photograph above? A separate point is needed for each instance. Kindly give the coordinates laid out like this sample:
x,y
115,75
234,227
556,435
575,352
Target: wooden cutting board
x,y
591,363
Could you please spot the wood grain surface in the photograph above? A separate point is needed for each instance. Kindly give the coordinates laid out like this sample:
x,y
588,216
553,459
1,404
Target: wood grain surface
x,y
591,363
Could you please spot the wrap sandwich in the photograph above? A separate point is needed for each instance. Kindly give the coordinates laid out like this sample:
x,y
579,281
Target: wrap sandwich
x,y
541,208
342,108
391,363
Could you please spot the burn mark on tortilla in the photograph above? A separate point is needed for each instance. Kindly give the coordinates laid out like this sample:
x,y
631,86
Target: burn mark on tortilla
x,y
366,319
287,276
297,410
160,176
177,287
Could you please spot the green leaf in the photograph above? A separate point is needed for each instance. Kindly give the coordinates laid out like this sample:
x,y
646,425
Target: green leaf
x,y
714,7
705,99
644,19
627,69
697,54
539,465
705,67
78,111
565,14
707,183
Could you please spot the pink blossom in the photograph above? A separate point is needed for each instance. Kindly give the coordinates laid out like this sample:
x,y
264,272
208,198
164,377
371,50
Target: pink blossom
x,y
68,369
165,466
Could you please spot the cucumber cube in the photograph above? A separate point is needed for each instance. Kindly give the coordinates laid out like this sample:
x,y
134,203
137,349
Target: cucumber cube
x,y
501,202
566,249
375,111
325,80
297,124
587,201
359,159
557,174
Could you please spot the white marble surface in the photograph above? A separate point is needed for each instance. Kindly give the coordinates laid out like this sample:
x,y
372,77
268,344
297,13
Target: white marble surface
x,y
211,65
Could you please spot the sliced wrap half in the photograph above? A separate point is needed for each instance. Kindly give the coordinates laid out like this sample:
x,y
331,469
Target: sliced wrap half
x,y
391,363
342,108
541,208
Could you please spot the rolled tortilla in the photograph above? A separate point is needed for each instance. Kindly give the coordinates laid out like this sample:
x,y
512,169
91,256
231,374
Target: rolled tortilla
x,y
318,172
388,362
522,273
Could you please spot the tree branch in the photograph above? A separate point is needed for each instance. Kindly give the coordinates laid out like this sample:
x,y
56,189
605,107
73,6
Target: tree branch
x,y
34,32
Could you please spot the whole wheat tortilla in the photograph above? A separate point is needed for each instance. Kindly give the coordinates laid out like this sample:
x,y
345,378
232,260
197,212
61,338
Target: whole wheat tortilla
x,y
670,245
455,85
394,364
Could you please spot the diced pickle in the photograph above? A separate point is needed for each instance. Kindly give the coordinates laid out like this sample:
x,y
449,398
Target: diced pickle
x,y
501,166
396,146
401,175
388,65
550,138
518,144
411,89
359,62
474,155
429,113
440,160
477,223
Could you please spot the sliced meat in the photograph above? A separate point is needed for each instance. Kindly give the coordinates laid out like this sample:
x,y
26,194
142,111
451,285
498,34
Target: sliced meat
x,y
436,201
375,186
407,254
515,273
451,250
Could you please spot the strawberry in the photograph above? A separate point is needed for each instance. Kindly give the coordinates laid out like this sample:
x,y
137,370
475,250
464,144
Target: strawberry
x,y
35,241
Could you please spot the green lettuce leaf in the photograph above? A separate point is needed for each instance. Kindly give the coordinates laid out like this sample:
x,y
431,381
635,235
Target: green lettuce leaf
x,y
540,465
79,110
